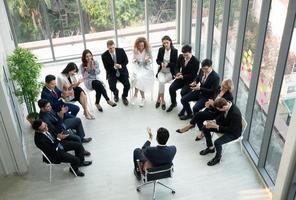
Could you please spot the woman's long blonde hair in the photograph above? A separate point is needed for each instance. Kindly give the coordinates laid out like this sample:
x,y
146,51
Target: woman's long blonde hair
x,y
146,44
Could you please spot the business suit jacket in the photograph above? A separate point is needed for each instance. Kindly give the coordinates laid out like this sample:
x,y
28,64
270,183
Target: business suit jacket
x,y
232,124
54,101
173,60
210,87
54,122
121,59
49,148
159,155
190,71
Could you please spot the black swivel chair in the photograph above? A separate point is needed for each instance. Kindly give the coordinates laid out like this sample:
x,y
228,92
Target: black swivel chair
x,y
153,175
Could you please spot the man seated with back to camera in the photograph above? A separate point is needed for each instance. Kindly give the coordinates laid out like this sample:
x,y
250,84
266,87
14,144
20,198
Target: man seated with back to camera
x,y
228,123
55,147
154,156
57,123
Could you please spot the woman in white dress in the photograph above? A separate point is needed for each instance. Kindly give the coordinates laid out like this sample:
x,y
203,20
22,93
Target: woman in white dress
x,y
142,76
68,83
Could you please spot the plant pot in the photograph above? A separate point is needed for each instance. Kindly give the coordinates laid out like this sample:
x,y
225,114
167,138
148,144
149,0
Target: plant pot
x,y
31,117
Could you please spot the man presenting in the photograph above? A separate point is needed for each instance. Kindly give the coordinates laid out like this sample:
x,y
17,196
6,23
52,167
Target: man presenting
x,y
154,156
115,61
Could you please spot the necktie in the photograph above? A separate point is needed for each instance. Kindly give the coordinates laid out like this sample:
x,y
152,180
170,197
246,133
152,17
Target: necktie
x,y
54,94
204,78
49,136
115,61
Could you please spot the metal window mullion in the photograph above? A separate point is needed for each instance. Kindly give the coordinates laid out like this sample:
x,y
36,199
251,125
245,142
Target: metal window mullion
x,y
113,6
277,82
263,23
146,20
224,34
14,37
198,27
82,27
210,28
186,21
47,28
178,19
239,46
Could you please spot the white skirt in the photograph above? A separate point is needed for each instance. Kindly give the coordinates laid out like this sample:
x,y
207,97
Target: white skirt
x,y
142,77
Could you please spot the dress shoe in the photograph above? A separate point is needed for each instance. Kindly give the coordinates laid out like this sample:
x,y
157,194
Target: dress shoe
x,y
142,102
172,106
86,153
185,117
157,104
137,174
163,107
206,151
125,101
111,103
181,113
99,107
86,140
85,163
77,172
214,161
116,99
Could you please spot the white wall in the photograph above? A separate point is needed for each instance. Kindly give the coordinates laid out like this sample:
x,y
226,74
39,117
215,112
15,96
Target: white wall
x,y
12,153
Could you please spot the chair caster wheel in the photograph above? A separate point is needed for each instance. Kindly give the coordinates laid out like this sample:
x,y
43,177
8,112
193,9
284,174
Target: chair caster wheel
x,y
173,192
138,190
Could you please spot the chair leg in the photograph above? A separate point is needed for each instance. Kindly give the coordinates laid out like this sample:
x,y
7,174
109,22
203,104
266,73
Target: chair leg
x,y
50,171
143,184
173,191
154,188
72,169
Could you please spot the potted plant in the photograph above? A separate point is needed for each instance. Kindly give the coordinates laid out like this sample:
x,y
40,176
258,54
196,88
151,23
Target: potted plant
x,y
25,71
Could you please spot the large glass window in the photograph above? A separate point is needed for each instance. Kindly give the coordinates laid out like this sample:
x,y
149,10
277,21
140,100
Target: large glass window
x,y
248,53
162,20
98,24
217,32
234,15
193,24
63,18
267,71
130,19
283,115
28,23
204,29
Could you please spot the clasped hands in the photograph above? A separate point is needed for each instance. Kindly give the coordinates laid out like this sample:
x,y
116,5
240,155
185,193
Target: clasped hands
x,y
62,136
211,124
194,86
179,75
117,66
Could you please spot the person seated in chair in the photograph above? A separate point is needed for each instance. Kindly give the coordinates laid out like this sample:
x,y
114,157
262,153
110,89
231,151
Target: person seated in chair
x,y
55,147
154,156
57,123
228,123
51,93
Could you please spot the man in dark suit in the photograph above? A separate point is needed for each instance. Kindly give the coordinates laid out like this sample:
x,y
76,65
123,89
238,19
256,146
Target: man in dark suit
x,y
204,87
57,123
55,147
154,156
229,123
52,94
185,72
115,61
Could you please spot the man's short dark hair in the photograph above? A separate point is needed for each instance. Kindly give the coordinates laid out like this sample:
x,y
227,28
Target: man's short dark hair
x,y
220,103
162,136
36,124
42,103
206,62
110,43
186,49
49,78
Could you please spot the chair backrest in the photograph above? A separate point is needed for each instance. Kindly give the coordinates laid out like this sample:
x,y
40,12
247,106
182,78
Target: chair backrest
x,y
244,125
46,158
156,173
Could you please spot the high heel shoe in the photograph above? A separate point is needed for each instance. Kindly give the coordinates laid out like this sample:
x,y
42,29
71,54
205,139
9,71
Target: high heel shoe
x,y
99,107
181,130
111,103
199,137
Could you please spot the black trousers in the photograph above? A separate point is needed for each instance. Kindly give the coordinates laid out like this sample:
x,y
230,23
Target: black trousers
x,y
76,124
176,85
225,138
69,158
112,80
138,155
200,117
100,90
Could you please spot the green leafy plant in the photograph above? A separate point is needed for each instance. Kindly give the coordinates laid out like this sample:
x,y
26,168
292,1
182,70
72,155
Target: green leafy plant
x,y
25,71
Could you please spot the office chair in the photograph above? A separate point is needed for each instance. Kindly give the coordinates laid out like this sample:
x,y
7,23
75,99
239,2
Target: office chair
x,y
50,164
154,174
